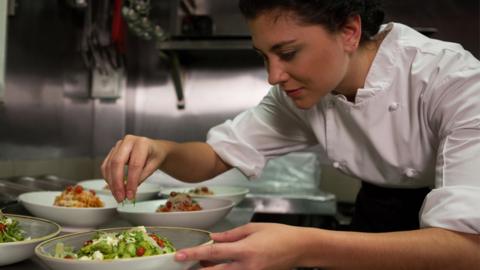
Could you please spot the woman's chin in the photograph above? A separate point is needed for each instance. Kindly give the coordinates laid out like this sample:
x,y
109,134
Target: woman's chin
x,y
303,103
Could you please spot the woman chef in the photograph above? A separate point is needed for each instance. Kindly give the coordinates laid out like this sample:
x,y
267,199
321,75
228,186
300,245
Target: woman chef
x,y
383,103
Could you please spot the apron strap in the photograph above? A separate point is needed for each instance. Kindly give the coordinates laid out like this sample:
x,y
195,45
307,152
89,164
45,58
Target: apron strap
x,y
379,209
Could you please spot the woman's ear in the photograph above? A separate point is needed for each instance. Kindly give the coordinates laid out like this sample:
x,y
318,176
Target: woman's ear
x,y
352,33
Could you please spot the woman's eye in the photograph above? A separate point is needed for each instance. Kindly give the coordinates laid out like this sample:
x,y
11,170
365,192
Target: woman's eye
x,y
286,56
264,58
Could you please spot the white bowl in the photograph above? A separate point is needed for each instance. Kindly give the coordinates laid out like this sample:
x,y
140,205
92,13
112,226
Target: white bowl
x,y
40,204
145,191
37,229
143,213
179,237
235,194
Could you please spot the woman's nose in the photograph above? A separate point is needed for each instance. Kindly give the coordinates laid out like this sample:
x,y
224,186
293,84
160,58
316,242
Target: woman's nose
x,y
276,73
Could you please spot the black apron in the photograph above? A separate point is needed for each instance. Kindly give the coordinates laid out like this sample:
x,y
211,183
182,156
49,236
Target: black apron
x,y
379,209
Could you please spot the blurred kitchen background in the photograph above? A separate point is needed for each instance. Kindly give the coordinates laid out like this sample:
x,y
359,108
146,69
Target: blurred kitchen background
x,y
77,75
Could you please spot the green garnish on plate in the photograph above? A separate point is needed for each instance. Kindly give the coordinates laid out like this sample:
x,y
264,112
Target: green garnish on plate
x,y
132,243
10,230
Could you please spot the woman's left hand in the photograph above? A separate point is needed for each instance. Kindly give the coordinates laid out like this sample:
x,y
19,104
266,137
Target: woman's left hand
x,y
259,246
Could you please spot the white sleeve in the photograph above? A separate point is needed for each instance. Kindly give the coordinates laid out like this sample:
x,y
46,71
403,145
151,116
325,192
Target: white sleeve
x,y
272,128
454,203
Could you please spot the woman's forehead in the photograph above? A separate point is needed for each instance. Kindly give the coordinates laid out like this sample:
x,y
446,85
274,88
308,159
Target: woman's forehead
x,y
269,28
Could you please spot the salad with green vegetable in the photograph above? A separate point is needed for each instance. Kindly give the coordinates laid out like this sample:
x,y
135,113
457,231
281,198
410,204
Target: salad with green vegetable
x,y
132,243
10,230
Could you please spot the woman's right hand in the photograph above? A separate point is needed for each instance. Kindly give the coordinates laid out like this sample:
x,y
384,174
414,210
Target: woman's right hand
x,y
142,155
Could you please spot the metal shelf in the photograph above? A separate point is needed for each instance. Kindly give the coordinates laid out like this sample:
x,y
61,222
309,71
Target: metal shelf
x,y
169,49
215,44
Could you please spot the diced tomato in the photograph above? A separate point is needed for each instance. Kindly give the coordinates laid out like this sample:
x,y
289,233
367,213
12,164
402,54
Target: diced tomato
x,y
173,194
78,189
69,188
140,251
3,227
161,243
154,237
169,204
93,192
158,240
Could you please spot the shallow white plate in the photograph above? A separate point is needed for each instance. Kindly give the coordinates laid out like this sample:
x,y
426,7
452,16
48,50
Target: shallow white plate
x,y
40,204
144,213
179,237
145,191
235,194
37,229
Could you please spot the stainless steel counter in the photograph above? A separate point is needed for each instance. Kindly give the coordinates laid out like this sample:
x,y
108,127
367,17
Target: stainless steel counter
x,y
299,201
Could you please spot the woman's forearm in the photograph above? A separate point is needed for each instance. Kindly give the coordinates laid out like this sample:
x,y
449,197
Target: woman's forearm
x,y
425,249
192,161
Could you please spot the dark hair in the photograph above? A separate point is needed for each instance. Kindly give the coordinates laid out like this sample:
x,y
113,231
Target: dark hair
x,y
332,14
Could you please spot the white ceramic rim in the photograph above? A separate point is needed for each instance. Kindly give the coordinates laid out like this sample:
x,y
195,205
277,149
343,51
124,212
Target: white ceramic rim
x,y
157,188
23,195
227,206
244,190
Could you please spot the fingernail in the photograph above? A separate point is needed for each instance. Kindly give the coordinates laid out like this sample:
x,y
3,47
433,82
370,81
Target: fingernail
x,y
180,256
119,196
130,195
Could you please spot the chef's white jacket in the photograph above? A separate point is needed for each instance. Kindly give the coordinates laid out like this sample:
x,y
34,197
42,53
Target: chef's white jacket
x,y
416,123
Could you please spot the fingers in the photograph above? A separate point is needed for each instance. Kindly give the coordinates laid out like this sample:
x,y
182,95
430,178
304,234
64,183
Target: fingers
x,y
142,160
138,158
150,167
213,252
114,165
233,235
110,164
223,266
118,160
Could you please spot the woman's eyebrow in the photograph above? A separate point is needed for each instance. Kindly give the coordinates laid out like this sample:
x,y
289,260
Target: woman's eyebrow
x,y
277,46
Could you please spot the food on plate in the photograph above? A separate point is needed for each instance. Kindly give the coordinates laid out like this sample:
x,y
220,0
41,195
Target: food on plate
x,y
77,196
201,191
135,242
178,202
10,230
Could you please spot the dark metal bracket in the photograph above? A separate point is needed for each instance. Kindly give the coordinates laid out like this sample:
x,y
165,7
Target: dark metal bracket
x,y
176,73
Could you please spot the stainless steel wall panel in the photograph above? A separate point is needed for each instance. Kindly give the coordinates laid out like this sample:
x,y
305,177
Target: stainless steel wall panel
x,y
211,97
217,85
47,112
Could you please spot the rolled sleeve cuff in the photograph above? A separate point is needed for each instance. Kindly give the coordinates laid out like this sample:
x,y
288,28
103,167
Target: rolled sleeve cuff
x,y
236,152
455,208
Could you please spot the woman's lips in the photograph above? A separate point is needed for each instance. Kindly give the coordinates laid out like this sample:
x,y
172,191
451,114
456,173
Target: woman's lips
x,y
294,92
